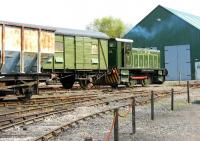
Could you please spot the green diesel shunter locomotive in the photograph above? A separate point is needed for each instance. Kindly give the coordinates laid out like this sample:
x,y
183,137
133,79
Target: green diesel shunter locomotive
x,y
135,65
79,56
92,57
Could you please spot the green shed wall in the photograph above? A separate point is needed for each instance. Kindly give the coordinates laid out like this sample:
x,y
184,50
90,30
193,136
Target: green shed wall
x,y
162,28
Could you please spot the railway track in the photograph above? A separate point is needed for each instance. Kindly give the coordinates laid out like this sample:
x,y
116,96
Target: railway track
x,y
46,107
65,127
39,116
43,100
41,112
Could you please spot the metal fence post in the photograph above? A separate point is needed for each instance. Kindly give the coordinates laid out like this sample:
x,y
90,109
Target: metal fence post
x,y
152,105
116,125
133,116
188,92
172,99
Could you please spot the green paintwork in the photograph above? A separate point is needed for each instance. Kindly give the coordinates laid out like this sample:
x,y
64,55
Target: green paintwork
x,y
83,53
135,58
143,59
165,27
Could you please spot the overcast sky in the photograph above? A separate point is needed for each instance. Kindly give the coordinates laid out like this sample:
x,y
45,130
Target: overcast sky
x,y
79,13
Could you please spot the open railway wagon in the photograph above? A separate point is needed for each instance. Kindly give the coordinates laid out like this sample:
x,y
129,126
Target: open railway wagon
x,y
132,66
24,48
80,56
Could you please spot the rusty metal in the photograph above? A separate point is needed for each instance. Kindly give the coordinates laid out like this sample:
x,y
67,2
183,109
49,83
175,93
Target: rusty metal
x,y
31,40
39,52
3,45
23,39
47,42
43,107
31,26
43,101
22,51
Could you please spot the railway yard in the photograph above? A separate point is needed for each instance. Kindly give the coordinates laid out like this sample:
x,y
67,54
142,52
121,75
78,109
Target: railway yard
x,y
73,115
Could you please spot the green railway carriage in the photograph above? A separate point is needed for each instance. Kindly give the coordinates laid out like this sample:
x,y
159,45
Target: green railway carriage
x,y
135,65
79,56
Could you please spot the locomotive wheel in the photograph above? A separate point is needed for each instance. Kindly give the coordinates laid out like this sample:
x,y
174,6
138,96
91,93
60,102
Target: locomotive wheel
x,y
114,86
84,84
160,80
146,82
131,83
67,82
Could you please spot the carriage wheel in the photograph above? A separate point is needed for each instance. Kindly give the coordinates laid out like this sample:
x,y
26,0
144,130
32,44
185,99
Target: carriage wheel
x,y
67,82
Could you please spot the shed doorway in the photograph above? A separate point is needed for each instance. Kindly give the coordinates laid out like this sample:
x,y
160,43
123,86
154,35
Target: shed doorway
x,y
177,62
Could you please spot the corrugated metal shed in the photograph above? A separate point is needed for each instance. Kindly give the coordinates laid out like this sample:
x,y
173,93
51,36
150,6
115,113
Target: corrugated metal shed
x,y
176,34
86,33
191,19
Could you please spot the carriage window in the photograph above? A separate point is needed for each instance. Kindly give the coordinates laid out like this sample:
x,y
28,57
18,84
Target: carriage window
x,y
94,49
59,46
112,44
128,46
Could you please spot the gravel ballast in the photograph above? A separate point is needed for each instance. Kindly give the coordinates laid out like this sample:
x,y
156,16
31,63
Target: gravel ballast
x,y
182,124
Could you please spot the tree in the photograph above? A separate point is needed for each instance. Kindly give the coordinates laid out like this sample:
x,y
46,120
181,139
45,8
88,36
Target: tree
x,y
113,27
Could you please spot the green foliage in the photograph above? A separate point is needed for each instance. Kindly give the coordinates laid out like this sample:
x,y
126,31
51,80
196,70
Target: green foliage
x,y
113,27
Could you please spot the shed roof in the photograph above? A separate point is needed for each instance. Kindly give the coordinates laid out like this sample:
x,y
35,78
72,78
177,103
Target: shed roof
x,y
87,33
189,18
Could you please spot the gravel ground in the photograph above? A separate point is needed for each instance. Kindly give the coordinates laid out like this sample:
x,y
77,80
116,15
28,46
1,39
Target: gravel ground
x,y
180,124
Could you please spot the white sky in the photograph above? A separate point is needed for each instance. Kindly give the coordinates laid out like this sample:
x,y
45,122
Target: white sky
x,y
79,13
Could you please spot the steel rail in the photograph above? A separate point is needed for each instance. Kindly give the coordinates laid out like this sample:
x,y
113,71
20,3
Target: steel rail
x,y
46,107
57,131
29,119
41,116
42,100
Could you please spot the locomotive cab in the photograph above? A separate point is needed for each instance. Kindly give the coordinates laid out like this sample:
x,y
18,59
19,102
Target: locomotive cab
x,y
119,52
119,55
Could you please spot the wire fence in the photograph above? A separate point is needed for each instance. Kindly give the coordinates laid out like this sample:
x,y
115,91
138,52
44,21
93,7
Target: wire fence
x,y
150,113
